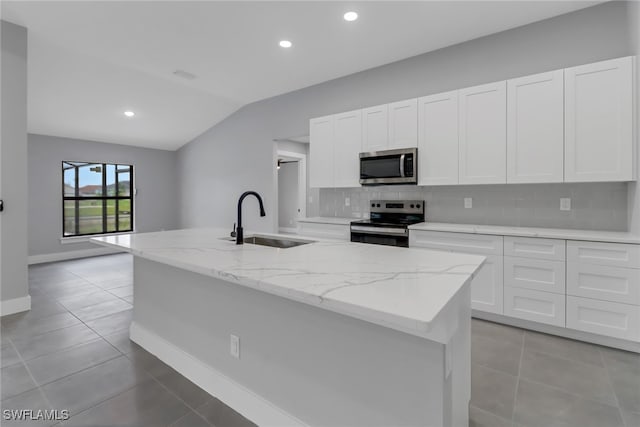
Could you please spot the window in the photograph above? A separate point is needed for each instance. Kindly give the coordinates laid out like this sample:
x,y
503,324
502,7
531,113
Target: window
x,y
97,198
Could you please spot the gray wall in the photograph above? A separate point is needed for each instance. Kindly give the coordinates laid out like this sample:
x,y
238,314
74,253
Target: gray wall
x,y
634,187
155,205
237,154
13,163
288,195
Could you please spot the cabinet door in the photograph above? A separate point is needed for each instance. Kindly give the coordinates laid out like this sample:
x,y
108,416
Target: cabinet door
x,y
604,318
438,139
321,152
403,124
599,122
487,286
347,139
535,274
537,306
483,134
535,128
375,128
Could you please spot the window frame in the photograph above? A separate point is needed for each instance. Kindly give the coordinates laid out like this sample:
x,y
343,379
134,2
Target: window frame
x,y
104,198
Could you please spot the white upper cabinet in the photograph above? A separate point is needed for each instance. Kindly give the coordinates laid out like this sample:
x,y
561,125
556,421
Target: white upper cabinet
x,y
438,139
375,128
321,151
599,121
535,128
403,124
483,145
347,140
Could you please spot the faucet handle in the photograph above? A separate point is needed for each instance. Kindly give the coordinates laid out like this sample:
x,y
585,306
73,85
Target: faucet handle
x,y
233,233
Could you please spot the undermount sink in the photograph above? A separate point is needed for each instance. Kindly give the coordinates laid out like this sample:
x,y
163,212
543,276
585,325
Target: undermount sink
x,y
274,242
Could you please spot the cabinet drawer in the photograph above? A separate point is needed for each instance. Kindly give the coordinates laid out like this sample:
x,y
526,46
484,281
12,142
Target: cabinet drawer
x,y
483,244
604,282
535,274
615,254
332,231
531,247
603,317
537,306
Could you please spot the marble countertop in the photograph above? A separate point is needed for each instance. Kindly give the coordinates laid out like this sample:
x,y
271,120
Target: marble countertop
x,y
328,220
400,288
549,233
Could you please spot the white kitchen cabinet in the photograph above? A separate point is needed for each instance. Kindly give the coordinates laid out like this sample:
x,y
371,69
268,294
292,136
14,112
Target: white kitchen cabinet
x,y
535,128
483,133
321,152
536,306
375,128
599,121
534,247
603,253
347,140
487,286
535,274
438,139
604,318
603,282
403,124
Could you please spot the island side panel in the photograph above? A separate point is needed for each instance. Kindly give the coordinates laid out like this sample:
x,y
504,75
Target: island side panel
x,y
321,367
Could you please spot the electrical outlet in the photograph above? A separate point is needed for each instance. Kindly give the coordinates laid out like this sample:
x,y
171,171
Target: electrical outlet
x,y
565,204
468,202
347,201
235,346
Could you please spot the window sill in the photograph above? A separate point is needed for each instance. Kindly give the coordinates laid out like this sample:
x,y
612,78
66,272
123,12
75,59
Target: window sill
x,y
83,239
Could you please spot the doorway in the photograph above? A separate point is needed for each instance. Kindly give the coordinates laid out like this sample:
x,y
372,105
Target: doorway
x,y
292,189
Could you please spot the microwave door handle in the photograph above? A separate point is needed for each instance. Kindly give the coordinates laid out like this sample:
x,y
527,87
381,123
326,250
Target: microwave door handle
x,y
402,165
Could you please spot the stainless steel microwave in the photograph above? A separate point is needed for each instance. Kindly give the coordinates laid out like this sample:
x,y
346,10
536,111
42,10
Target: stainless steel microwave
x,y
389,167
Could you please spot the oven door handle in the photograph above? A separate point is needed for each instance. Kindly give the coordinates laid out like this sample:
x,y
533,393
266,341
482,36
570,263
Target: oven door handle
x,y
388,231
402,166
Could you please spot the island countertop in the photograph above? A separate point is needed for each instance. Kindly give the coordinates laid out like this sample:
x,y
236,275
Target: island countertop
x,y
401,288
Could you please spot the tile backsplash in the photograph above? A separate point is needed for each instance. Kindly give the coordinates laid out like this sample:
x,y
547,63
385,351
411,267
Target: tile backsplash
x,y
594,206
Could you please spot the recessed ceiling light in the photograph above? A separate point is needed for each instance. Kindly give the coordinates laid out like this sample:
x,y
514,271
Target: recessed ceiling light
x,y
129,113
350,16
285,43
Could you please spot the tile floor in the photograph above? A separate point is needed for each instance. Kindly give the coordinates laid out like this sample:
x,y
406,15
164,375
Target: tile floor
x,y
76,337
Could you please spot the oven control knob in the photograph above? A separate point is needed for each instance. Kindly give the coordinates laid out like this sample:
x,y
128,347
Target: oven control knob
x,y
418,206
412,206
378,205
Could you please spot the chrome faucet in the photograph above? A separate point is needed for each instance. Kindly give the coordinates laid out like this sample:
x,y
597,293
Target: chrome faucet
x,y
239,231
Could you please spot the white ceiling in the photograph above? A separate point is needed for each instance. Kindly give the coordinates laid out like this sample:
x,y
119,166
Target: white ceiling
x,y
91,60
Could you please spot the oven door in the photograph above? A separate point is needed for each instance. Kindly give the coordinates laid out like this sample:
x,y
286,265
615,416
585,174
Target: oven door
x,y
388,236
389,167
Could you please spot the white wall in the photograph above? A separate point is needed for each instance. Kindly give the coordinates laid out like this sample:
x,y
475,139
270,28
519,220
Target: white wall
x,y
155,205
13,165
237,154
288,195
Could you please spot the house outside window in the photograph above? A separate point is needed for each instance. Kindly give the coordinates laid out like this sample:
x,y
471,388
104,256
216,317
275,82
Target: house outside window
x,y
97,198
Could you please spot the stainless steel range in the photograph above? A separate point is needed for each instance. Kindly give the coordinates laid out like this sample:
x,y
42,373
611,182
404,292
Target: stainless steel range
x,y
388,222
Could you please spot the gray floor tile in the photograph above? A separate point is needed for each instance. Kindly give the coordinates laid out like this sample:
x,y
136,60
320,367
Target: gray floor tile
x,y
147,404
187,391
480,418
481,328
541,406
24,326
502,355
32,347
85,389
51,367
493,391
631,419
9,356
78,301
33,399
192,419
102,309
562,347
15,380
146,361
43,307
122,292
624,370
121,341
111,324
219,414
582,379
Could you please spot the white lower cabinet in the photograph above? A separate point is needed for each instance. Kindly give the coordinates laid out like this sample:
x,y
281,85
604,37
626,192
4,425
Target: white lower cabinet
x,y
536,306
535,274
330,231
603,282
487,288
603,317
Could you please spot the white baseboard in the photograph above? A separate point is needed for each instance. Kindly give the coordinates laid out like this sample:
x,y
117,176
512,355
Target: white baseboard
x,y
61,256
15,305
249,404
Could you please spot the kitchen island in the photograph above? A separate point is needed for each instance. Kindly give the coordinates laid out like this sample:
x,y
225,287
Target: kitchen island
x,y
330,333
